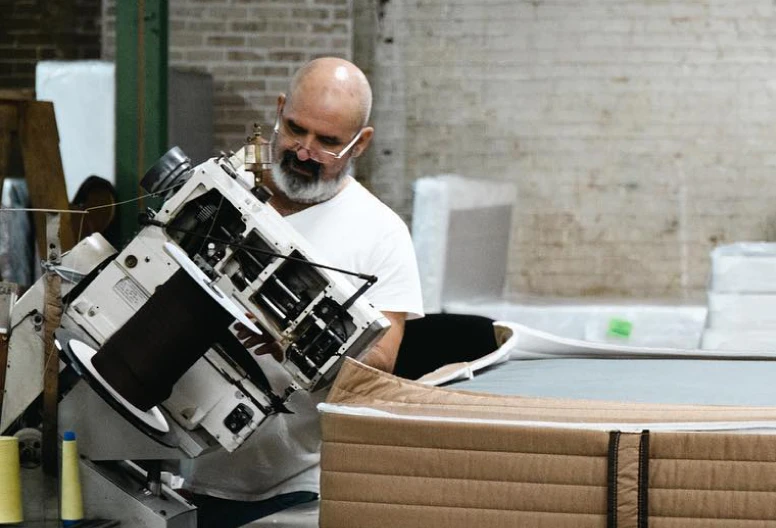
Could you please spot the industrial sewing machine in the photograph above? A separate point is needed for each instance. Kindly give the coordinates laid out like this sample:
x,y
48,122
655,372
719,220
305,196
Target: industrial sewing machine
x,y
151,369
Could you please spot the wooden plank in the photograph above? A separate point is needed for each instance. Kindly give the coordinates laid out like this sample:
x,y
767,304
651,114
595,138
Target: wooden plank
x,y
9,123
52,315
43,169
18,94
9,116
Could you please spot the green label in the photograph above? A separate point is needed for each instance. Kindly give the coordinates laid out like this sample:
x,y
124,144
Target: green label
x,y
619,327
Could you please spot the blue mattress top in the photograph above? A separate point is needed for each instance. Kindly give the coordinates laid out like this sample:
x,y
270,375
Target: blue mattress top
x,y
677,381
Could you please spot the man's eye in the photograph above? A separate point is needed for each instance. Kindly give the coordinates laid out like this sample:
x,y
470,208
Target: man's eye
x,y
294,128
329,142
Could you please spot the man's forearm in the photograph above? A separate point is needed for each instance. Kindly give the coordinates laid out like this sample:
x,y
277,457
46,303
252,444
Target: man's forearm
x,y
384,353
380,359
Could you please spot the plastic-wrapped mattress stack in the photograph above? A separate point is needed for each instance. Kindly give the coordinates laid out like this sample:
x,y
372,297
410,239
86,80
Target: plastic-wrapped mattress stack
x,y
742,298
461,230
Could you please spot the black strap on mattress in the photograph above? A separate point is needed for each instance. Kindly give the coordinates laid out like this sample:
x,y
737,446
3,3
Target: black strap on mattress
x,y
628,480
611,507
643,480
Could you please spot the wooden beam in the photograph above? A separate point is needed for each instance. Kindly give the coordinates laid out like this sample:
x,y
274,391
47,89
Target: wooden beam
x,y
18,94
39,140
9,123
52,315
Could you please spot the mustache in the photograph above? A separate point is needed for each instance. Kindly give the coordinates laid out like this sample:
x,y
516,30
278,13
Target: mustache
x,y
310,165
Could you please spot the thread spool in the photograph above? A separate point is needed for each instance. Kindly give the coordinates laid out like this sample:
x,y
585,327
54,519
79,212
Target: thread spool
x,y
144,358
10,481
71,506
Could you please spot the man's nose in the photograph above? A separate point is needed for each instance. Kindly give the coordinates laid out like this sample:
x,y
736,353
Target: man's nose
x,y
302,152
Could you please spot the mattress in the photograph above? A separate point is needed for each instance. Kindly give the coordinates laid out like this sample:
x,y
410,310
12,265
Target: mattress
x,y
660,380
606,438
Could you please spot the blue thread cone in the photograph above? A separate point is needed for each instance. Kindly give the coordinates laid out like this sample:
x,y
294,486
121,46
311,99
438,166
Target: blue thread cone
x,y
71,506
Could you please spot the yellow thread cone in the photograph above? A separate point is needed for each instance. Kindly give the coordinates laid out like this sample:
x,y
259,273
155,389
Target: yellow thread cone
x,y
72,501
10,481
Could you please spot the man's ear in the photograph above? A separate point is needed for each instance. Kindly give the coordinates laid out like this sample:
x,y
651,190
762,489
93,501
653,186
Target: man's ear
x,y
363,142
281,102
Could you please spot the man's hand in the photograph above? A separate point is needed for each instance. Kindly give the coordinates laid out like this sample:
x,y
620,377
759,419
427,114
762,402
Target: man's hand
x,y
381,356
264,341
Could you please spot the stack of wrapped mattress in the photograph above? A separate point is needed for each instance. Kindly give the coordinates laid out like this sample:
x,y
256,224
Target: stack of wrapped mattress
x,y
742,298
458,225
554,432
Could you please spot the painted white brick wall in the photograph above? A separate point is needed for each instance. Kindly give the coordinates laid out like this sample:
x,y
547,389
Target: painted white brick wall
x,y
251,47
640,133
385,164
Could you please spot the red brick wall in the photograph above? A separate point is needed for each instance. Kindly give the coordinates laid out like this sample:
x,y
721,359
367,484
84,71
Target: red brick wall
x,y
250,48
34,30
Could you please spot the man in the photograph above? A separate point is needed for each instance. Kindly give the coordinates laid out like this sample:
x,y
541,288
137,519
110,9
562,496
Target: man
x,y
321,127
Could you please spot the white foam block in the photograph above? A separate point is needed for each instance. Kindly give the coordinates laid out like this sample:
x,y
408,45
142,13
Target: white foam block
x,y
744,267
741,311
83,93
435,198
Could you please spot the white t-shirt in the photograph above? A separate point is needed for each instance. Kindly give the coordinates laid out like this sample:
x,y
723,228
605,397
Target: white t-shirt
x,y
354,231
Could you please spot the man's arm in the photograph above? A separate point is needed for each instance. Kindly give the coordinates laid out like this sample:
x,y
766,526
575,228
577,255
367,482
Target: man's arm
x,y
383,354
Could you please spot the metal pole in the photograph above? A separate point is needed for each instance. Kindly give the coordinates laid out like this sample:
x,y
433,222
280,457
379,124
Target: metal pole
x,y
141,99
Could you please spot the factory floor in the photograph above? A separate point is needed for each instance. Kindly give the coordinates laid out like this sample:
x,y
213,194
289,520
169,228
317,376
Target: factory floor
x,y
302,516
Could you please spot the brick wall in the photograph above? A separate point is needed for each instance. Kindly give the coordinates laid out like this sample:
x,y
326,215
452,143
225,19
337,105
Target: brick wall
x,y
376,25
34,30
640,134
251,47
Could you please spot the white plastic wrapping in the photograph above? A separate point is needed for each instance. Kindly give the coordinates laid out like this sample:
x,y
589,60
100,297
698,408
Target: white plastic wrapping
x,y
664,325
436,199
744,267
753,340
17,245
742,298
732,311
84,97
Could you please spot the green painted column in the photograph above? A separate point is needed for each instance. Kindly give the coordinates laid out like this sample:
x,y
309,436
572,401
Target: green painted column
x,y
141,100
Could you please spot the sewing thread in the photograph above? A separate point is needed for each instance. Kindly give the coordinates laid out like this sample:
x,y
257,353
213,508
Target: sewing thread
x,y
10,481
72,506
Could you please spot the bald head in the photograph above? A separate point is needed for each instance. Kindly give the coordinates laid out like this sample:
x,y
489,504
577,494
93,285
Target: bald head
x,y
321,129
336,83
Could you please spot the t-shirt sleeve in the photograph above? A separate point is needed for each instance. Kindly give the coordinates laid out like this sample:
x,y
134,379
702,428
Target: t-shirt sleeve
x,y
397,288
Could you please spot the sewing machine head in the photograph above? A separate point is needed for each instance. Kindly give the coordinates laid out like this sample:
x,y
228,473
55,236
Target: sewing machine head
x,y
149,328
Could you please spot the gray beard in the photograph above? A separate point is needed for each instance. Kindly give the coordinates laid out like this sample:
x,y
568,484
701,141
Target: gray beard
x,y
301,190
